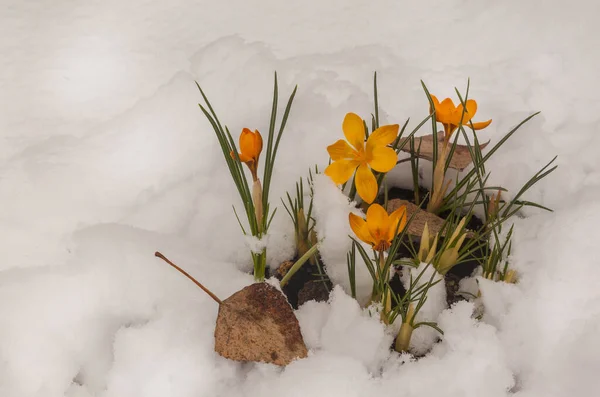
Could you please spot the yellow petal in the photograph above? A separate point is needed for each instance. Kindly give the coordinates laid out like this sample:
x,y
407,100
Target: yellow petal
x,y
383,159
398,223
366,184
340,171
341,150
378,223
382,136
481,125
359,227
354,130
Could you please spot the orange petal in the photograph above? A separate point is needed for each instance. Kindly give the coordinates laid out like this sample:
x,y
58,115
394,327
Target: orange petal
x,y
481,125
397,222
250,143
443,112
243,158
383,159
378,223
354,130
366,184
383,136
340,171
341,150
469,113
436,103
359,227
259,141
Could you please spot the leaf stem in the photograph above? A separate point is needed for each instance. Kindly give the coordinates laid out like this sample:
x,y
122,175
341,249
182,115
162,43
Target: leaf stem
x,y
202,287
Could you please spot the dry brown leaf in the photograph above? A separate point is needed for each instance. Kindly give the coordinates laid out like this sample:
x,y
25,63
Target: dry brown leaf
x,y
283,268
258,324
461,158
416,226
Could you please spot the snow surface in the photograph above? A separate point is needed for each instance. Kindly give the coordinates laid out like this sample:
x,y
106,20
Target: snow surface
x,y
106,158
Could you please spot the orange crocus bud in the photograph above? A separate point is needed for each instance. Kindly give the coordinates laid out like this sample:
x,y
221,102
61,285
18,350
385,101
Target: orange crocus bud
x,y
251,144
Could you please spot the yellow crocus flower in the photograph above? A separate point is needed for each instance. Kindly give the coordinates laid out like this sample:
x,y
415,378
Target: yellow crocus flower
x,y
354,154
379,229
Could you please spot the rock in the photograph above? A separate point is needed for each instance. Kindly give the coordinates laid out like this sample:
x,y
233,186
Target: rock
x,y
313,290
258,324
416,226
461,158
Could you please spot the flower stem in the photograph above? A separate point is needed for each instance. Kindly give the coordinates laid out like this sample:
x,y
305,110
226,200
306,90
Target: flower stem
x,y
403,338
258,206
260,265
378,285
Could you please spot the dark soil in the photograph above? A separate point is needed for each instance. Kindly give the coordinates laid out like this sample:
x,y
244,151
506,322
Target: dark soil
x,y
305,285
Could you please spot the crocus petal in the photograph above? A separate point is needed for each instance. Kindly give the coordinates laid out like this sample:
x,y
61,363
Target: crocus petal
x,y
436,103
341,150
397,222
259,141
366,184
382,159
244,158
354,130
378,223
250,143
382,136
359,227
481,125
340,171
469,113
443,112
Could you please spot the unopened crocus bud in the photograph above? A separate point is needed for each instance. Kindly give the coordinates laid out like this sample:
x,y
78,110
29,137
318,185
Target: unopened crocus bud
x,y
493,206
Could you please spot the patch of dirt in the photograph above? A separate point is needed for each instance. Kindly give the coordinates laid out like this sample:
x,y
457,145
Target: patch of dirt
x,y
305,285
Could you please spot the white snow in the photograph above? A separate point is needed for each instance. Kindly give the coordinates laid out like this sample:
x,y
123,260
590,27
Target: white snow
x,y
105,158
424,337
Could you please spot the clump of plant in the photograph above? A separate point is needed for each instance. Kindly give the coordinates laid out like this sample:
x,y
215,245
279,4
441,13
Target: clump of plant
x,y
256,199
305,235
363,160
301,215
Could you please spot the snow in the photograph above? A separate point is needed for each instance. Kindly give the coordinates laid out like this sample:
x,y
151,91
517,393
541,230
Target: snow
x,y
424,337
106,158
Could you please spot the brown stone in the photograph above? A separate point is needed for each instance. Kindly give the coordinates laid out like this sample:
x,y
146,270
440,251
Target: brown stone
x,y
258,324
416,226
461,157
313,291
